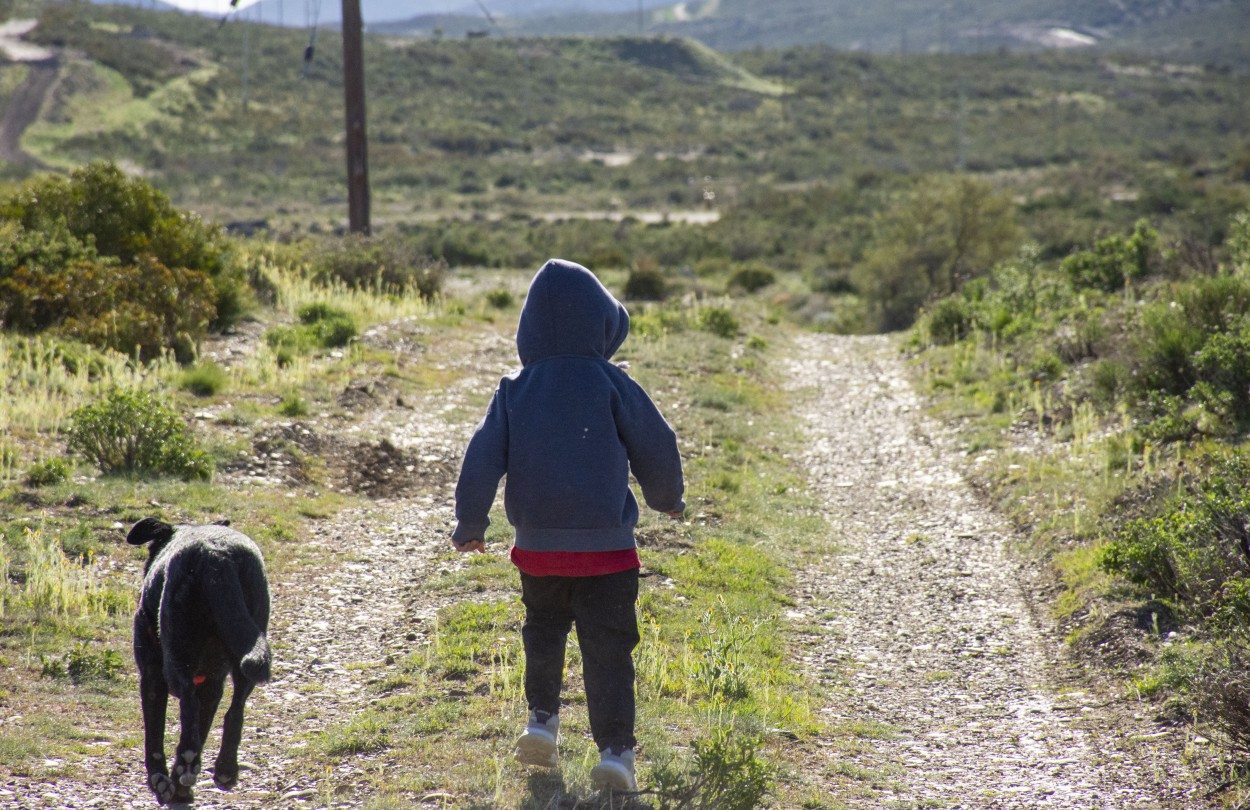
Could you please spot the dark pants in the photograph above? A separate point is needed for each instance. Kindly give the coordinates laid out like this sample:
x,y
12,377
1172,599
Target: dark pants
x,y
607,632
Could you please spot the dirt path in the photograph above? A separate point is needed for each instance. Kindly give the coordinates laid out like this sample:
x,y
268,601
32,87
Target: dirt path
x,y
22,108
931,643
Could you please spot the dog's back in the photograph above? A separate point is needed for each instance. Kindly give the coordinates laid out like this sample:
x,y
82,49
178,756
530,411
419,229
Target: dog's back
x,y
205,590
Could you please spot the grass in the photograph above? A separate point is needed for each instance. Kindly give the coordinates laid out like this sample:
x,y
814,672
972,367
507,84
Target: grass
x,y
52,587
47,378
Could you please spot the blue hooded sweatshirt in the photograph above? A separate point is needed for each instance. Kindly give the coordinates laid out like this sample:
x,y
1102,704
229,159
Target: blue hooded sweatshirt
x,y
568,429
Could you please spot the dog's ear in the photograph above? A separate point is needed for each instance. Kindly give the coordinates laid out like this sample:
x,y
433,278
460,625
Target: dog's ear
x,y
149,529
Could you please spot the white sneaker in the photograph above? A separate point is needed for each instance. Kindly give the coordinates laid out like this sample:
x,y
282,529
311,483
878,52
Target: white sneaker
x,y
615,771
537,746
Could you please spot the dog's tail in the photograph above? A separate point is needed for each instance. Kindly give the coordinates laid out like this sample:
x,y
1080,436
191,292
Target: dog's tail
x,y
243,630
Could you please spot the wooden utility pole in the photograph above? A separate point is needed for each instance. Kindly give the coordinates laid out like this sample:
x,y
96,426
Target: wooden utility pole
x,y
354,96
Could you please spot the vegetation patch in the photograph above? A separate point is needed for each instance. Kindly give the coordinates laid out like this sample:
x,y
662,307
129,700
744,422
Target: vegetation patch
x,y
108,260
133,432
1124,373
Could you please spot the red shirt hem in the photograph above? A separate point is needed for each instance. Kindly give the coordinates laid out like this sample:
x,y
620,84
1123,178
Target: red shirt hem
x,y
575,563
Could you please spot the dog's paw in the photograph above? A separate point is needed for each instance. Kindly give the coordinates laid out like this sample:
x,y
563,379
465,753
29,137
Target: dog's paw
x,y
225,779
162,786
187,769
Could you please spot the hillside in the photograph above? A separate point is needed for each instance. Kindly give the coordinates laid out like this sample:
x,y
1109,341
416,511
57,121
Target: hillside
x,y
498,127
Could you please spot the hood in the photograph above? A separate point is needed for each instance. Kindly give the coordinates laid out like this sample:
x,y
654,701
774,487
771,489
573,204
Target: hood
x,y
569,312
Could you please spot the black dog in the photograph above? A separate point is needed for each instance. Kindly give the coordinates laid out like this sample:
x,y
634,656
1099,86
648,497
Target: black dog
x,y
203,612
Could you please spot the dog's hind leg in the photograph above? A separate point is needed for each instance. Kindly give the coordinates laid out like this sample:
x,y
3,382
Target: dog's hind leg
x,y
187,758
155,700
209,694
226,768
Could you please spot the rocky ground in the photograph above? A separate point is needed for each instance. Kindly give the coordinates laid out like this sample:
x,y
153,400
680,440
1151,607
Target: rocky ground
x,y
918,619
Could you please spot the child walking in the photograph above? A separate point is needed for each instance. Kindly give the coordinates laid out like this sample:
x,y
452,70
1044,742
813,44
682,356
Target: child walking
x,y
567,430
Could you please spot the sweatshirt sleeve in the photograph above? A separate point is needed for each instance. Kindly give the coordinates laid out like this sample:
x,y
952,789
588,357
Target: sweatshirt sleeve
x,y
652,447
485,462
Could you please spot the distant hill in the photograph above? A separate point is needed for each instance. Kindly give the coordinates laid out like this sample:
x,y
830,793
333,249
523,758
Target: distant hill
x,y
884,26
1213,31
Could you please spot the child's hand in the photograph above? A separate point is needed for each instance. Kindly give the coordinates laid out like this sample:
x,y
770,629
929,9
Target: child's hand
x,y
475,544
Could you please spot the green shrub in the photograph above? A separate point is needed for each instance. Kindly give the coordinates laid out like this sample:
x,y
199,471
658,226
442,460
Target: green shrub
x,y
320,326
1198,337
204,380
646,284
1142,553
122,217
47,473
717,320
500,298
1163,350
1172,421
930,243
1222,367
711,266
82,665
110,261
385,264
1239,243
330,327
1044,367
293,406
752,278
1115,261
724,773
949,321
1107,380
1215,304
1196,545
131,431
657,322
288,342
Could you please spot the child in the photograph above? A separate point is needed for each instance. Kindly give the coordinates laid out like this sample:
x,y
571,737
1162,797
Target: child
x,y
567,430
